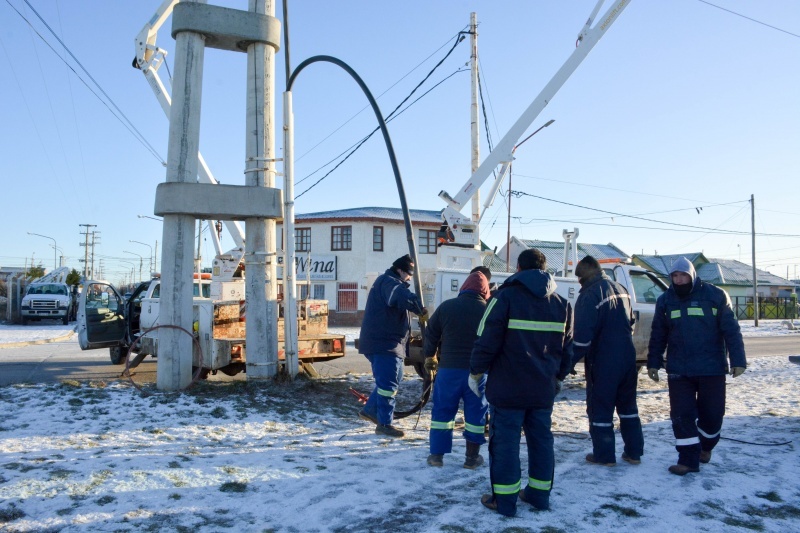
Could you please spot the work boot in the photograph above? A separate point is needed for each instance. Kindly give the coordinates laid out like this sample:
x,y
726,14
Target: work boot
x,y
627,458
682,470
590,459
363,415
489,502
542,505
705,456
388,430
473,457
436,459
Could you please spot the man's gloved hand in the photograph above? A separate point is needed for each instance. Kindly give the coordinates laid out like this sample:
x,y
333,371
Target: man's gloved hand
x,y
737,371
474,383
423,317
559,386
652,373
431,364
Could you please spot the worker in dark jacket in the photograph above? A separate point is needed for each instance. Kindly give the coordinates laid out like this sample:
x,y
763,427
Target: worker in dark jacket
x,y
695,323
452,330
385,331
524,343
604,340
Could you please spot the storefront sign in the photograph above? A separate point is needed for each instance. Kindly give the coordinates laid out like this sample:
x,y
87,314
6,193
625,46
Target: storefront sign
x,y
317,267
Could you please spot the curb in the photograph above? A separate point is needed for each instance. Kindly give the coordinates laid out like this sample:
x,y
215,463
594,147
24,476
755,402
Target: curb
x,y
41,341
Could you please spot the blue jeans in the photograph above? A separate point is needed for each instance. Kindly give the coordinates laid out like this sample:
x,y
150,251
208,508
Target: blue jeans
x,y
451,386
504,463
388,373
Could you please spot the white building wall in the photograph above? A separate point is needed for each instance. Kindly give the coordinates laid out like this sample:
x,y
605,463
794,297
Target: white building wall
x,y
361,264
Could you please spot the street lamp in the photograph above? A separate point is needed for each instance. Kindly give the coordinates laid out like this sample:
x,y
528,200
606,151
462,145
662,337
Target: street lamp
x,y
151,266
151,218
55,265
60,263
141,258
132,269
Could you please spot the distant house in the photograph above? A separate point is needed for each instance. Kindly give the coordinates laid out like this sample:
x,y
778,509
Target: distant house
x,y
554,252
733,276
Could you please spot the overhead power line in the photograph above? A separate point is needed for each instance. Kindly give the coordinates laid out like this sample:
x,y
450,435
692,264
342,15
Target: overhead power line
x,y
750,19
119,114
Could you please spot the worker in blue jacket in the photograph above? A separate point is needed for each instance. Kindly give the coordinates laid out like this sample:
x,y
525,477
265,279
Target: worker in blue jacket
x,y
604,340
385,332
524,343
695,323
451,332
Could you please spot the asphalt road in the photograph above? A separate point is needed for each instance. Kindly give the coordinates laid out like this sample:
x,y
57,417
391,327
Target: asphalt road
x,y
59,361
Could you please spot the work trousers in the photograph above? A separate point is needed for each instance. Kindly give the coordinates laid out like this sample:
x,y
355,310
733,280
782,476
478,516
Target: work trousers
x,y
608,389
504,463
697,406
388,373
451,386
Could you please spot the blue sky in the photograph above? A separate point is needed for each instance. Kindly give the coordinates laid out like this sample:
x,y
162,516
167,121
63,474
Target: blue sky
x,y
679,114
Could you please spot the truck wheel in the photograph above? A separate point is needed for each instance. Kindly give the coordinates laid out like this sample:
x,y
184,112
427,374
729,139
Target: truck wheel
x,y
65,320
203,372
117,355
24,321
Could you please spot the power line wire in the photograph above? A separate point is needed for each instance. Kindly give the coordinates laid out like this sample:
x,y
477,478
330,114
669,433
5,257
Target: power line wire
x,y
750,19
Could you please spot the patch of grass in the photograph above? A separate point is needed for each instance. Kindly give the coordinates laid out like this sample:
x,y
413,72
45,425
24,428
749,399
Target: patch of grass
x,y
230,469
219,412
75,402
624,511
781,512
10,514
754,525
66,511
174,464
61,473
105,500
233,486
175,496
771,496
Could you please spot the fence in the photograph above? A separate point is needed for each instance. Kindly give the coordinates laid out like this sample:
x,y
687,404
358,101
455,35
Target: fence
x,y
768,307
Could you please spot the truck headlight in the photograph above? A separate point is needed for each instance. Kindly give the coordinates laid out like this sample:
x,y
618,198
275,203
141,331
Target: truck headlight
x,y
25,305
63,304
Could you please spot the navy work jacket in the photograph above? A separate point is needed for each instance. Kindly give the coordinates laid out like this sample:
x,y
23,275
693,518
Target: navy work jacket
x,y
524,342
696,331
386,327
453,328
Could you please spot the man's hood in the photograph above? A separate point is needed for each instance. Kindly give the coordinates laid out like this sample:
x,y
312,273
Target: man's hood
x,y
539,282
684,265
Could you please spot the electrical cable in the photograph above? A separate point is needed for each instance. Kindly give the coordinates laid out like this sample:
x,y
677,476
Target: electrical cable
x,y
750,19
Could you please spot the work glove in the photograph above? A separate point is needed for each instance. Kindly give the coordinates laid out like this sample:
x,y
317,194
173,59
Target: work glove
x,y
559,386
737,371
431,364
423,318
474,384
652,373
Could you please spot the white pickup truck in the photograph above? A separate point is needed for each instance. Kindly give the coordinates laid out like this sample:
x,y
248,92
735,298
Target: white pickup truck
x,y
105,319
643,286
49,300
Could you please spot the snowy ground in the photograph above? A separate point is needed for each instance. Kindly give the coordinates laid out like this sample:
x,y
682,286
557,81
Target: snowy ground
x,y
238,456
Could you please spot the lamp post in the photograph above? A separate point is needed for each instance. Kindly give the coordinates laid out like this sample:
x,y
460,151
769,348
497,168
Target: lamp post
x,y
55,245
61,261
155,254
141,259
151,218
133,269
151,266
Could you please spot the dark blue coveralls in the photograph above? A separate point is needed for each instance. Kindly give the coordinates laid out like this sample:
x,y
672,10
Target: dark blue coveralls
x,y
385,332
604,339
525,341
696,330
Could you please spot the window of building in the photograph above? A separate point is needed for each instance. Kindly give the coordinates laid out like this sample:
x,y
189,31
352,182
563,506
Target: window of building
x,y
347,297
302,239
341,238
427,241
319,291
377,238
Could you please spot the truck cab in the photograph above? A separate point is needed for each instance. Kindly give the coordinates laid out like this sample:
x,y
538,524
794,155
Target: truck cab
x,y
51,300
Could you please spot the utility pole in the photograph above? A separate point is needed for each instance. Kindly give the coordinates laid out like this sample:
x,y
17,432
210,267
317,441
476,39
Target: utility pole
x,y
85,245
753,234
474,124
94,241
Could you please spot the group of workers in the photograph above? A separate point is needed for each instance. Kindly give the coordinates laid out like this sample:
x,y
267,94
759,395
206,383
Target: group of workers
x,y
506,353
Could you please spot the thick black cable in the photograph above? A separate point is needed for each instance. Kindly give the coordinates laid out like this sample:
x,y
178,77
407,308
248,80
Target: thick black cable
x,y
458,39
758,443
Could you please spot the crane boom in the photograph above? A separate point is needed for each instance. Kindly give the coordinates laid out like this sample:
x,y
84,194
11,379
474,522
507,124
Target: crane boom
x,y
460,230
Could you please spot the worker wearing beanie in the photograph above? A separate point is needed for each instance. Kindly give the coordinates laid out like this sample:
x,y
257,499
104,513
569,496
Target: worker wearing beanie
x,y
385,332
604,339
452,331
695,323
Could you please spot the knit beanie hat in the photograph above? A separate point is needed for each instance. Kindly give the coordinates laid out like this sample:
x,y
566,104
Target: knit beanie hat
x,y
405,263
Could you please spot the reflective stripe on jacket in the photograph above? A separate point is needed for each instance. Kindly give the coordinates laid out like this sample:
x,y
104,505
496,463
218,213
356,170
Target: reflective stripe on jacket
x,y
387,325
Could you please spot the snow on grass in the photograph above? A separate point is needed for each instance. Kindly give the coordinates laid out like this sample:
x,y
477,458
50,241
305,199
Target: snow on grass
x,y
254,456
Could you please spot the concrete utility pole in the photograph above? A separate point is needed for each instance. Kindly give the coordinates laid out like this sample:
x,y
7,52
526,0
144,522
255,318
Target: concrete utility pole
x,y
474,124
261,291
755,278
175,370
